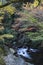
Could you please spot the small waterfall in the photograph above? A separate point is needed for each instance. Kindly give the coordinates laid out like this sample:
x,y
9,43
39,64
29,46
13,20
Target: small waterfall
x,y
10,59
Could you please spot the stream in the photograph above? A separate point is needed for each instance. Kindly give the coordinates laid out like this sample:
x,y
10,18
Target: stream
x,y
10,59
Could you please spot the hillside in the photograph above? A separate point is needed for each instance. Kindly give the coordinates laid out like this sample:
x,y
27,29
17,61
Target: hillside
x,y
20,26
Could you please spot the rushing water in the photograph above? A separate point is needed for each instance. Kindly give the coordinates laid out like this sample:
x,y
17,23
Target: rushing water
x,y
23,52
10,59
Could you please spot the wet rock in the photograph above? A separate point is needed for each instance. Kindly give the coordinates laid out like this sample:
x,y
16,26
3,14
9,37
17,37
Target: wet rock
x,y
12,60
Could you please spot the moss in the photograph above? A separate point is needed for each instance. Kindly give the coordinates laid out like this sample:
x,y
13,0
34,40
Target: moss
x,y
3,52
0,3
2,61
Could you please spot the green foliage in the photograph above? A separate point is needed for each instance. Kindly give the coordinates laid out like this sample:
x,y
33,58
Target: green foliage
x,y
11,36
32,19
7,21
35,36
